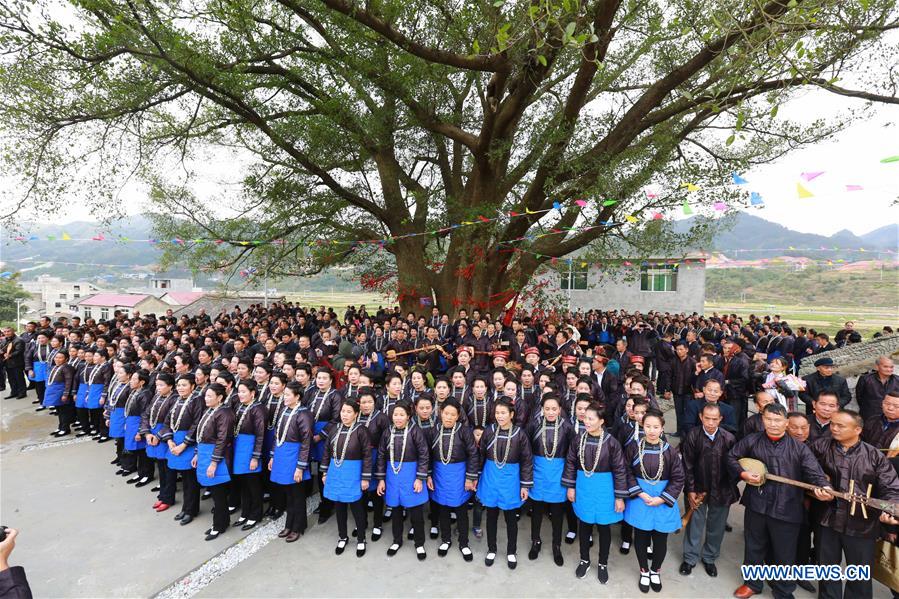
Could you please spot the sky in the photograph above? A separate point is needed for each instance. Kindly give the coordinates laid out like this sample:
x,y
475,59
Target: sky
x,y
852,157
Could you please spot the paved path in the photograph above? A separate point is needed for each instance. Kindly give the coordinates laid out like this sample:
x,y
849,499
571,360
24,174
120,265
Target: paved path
x,y
85,533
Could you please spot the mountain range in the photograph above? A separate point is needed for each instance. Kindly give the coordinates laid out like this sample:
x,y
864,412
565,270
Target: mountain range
x,y
85,256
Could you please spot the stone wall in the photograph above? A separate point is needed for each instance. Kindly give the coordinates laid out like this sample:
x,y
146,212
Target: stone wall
x,y
852,360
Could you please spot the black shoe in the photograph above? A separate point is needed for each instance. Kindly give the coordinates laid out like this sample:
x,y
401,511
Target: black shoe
x,y
239,522
557,555
728,528
535,550
36,401
434,532
488,560
82,433
375,534
187,519
444,548
341,545
212,535
276,514
152,490
114,462
391,551
643,583
249,526
712,569
685,569
411,534
602,573
806,585
421,553
360,549
62,433
624,548
206,495
179,515
139,482
467,555
127,473
582,568
570,537
120,472
512,562
232,510
655,581
103,439
40,408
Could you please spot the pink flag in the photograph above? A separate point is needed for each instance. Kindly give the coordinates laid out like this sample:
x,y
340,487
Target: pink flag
x,y
811,175
581,203
720,206
854,188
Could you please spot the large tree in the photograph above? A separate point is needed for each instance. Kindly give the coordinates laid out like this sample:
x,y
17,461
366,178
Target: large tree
x,y
386,119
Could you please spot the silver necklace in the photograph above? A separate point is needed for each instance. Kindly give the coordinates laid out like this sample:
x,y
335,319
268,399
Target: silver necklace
x,y
447,457
483,422
282,436
658,475
582,453
243,415
339,461
393,463
177,423
206,419
502,464
279,399
318,410
53,372
544,438
154,420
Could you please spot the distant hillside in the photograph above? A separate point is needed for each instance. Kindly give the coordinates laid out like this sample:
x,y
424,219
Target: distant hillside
x,y
755,233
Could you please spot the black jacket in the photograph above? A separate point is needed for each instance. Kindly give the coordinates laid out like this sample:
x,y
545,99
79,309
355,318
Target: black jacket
x,y
815,384
14,352
672,469
683,373
870,391
415,451
611,459
705,466
785,457
251,420
464,449
493,444
865,465
350,443
737,377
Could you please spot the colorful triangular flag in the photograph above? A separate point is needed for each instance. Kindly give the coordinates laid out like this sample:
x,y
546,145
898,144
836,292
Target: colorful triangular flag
x,y
854,188
66,236
802,192
738,180
687,209
755,198
811,175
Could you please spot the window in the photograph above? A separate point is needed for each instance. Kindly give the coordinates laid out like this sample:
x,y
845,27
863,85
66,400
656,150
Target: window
x,y
76,295
59,304
76,288
661,277
577,279
87,313
63,296
104,313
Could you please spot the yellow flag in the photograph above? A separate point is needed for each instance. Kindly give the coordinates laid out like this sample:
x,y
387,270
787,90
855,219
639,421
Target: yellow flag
x,y
630,218
803,192
691,187
66,236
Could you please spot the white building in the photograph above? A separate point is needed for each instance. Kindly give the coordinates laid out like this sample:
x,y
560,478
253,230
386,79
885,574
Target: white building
x,y
661,284
56,295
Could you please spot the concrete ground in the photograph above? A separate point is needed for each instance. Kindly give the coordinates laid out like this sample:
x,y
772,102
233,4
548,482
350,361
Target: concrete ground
x,y
85,533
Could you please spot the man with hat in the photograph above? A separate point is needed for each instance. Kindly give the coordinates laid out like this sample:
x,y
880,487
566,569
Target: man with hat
x,y
824,379
500,357
532,357
604,380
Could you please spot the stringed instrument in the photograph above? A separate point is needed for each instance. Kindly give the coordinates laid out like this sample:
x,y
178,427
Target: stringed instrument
x,y
392,353
854,498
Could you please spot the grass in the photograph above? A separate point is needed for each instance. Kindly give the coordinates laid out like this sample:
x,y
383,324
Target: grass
x,y
337,300
827,319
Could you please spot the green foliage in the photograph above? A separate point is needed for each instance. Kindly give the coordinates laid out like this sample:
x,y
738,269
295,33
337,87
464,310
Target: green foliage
x,y
352,121
10,291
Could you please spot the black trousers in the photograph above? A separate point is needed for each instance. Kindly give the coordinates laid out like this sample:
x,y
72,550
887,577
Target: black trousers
x,y
359,517
191,492
417,516
296,507
741,408
277,495
234,494
584,531
627,532
326,504
65,414
84,419
377,512
250,487
16,378
119,448
167,480
97,422
642,540
40,387
832,546
769,540
556,516
434,509
446,524
511,530
220,516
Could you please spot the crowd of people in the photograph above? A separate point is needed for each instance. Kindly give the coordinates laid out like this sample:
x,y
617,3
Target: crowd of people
x,y
448,419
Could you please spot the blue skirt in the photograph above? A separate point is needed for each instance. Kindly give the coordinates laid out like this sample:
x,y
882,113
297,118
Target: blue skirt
x,y
243,453
399,487
500,487
268,442
284,463
662,518
117,423
449,484
179,462
318,449
81,396
132,426
344,482
53,394
94,393
40,372
548,480
159,451
594,499
204,458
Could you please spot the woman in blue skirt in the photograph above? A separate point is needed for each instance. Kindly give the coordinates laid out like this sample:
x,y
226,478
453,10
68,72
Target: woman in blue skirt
x,y
289,464
455,460
116,398
97,383
550,436
249,431
151,423
59,392
215,433
346,467
83,372
401,472
179,433
324,405
376,422
506,477
596,478
656,478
